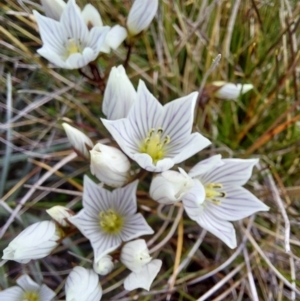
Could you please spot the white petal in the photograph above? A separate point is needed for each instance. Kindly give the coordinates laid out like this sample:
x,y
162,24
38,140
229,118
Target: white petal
x,y
134,227
97,37
83,285
233,172
27,284
119,94
103,265
60,214
91,16
144,278
79,60
140,16
238,203
232,91
135,254
14,293
53,8
206,165
169,187
81,142
74,24
52,57
116,36
109,165
46,294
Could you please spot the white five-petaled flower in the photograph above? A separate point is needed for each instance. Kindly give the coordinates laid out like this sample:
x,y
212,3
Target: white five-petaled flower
x,y
83,285
230,90
109,218
69,43
141,15
80,141
109,165
135,256
27,290
119,94
36,241
156,136
211,193
116,35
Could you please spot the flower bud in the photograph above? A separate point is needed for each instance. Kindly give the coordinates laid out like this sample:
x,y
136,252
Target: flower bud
x,y
91,16
104,265
81,142
83,285
231,91
109,165
60,214
119,94
53,8
36,241
140,16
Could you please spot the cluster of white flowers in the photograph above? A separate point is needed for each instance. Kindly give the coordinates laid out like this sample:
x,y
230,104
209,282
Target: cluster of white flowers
x,y
156,137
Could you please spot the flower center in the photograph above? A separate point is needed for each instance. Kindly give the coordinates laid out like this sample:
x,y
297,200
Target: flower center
x,y
30,296
72,47
154,144
212,191
110,221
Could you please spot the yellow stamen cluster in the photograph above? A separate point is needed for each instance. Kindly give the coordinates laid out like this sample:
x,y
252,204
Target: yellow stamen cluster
x,y
72,47
212,192
110,221
30,296
154,144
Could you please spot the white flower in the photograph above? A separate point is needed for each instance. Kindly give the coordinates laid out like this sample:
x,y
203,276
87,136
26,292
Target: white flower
x,y
36,241
109,218
60,214
230,90
103,265
109,165
216,197
69,43
141,15
81,142
135,256
119,94
53,8
83,285
156,136
27,290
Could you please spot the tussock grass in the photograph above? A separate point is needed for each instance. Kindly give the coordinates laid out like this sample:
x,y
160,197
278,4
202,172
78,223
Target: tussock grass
x,y
259,43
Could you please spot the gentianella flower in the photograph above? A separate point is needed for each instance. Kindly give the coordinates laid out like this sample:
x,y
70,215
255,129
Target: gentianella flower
x,y
116,35
103,265
36,241
119,94
156,136
27,290
141,15
109,165
69,43
109,217
135,256
230,90
80,141
83,285
211,193
60,214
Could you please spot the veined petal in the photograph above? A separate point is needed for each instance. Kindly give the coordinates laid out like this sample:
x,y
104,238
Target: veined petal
x,y
233,172
91,16
11,294
79,60
144,278
119,94
116,36
205,165
53,8
52,57
46,294
52,33
27,284
135,226
238,203
74,24
224,230
97,37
